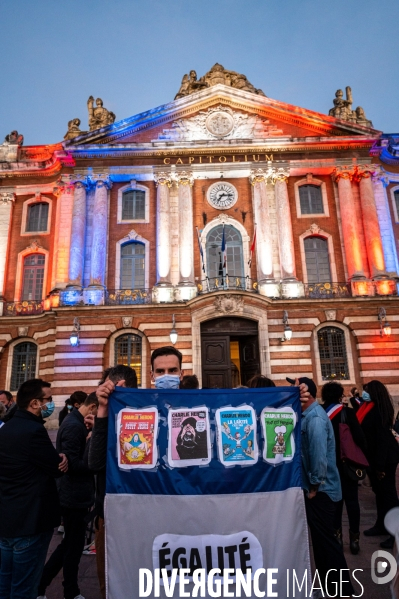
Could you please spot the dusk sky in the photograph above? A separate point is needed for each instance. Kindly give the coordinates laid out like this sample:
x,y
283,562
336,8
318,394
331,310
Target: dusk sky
x,y
133,54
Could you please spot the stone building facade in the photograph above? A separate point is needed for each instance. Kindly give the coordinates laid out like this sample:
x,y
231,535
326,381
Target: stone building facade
x,y
235,215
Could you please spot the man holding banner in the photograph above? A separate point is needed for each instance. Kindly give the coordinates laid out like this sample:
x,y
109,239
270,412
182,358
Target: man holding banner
x,y
201,514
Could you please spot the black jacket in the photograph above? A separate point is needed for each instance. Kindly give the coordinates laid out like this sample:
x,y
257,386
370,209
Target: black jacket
x,y
76,488
28,466
98,460
355,428
382,449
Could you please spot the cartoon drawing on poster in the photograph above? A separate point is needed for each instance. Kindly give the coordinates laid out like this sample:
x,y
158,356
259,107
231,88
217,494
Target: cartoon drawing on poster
x,y
278,426
236,436
189,437
137,434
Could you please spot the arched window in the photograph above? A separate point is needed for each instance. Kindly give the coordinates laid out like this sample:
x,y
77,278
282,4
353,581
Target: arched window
x,y
311,199
234,252
133,205
133,265
317,260
332,351
33,277
23,364
37,217
128,352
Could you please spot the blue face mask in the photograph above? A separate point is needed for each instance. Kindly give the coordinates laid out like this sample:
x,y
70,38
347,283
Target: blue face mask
x,y
366,396
48,409
167,381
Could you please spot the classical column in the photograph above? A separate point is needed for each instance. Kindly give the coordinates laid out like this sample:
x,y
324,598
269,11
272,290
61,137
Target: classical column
x,y
78,230
163,247
380,182
100,230
350,224
264,246
184,181
371,226
284,226
7,197
62,232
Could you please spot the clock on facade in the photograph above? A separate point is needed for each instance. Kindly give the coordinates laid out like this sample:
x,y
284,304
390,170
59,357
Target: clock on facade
x,y
222,195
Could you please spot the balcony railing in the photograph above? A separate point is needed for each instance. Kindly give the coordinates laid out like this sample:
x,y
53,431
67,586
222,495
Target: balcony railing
x,y
327,290
227,284
128,297
104,297
23,308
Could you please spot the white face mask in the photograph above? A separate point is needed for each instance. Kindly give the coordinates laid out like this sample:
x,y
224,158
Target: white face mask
x,y
167,381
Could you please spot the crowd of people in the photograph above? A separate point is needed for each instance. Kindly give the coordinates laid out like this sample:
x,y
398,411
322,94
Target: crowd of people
x,y
342,438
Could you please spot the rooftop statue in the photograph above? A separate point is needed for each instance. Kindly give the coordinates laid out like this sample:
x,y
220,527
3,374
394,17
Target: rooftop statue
x,y
99,116
343,109
73,129
217,75
14,138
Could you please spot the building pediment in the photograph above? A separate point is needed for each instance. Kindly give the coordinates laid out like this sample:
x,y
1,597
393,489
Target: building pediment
x,y
221,113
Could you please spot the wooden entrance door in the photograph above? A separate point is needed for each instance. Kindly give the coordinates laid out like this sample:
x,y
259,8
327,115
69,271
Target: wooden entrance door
x,y
217,364
216,368
249,358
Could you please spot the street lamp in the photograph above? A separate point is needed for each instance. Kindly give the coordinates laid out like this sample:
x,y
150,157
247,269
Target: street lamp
x,y
173,333
385,327
74,336
287,335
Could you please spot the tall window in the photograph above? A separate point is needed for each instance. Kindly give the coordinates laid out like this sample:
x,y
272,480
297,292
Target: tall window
x,y
33,275
317,260
128,352
396,197
133,205
133,265
234,251
23,364
37,217
311,199
332,350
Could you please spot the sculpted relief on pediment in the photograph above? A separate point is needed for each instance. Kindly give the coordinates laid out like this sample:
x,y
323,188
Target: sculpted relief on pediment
x,y
220,122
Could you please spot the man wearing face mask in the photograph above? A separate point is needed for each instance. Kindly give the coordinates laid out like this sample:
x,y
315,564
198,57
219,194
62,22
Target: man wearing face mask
x,y
166,371
29,504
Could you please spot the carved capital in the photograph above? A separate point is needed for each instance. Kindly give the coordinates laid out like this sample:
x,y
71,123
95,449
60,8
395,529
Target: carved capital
x,y
63,186
163,178
363,172
184,178
343,172
80,181
6,197
270,174
101,180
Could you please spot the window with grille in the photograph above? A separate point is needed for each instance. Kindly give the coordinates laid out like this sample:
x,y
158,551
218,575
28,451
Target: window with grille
x,y
133,266
133,205
33,277
332,351
23,364
37,217
396,198
311,199
128,352
317,260
234,252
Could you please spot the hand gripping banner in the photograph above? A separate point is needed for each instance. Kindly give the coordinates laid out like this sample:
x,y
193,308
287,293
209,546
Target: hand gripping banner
x,y
204,480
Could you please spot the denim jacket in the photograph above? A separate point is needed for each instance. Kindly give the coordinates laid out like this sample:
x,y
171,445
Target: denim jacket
x,y
319,464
